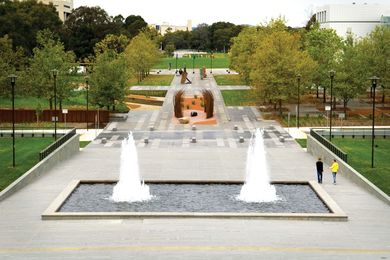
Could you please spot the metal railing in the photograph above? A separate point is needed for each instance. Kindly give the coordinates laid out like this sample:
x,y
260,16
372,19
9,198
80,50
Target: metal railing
x,y
44,153
355,132
32,131
342,155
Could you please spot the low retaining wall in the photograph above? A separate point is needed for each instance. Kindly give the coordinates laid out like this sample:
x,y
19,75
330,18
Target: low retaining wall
x,y
65,151
318,150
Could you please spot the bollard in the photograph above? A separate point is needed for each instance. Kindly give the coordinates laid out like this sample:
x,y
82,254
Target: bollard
x,y
235,127
114,129
193,140
146,140
281,139
193,127
151,128
241,139
104,140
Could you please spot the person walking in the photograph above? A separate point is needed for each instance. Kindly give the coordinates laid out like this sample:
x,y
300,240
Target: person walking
x,y
334,168
320,169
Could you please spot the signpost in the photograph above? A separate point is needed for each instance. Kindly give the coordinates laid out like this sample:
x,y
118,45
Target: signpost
x,y
327,109
65,111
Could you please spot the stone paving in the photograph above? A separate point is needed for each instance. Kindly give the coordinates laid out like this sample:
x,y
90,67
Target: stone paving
x,y
217,155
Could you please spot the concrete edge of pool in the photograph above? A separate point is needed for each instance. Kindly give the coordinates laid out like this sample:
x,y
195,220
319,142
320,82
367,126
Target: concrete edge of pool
x,y
52,213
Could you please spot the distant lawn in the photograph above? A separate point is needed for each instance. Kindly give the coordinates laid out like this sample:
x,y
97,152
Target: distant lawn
x,y
26,154
238,97
153,80
220,60
153,93
229,80
359,157
78,100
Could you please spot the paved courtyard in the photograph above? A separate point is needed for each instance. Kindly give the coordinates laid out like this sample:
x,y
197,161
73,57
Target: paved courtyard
x,y
169,155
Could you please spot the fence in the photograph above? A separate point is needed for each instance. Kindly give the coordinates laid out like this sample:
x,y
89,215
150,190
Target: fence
x,y
32,132
44,153
342,155
75,116
355,132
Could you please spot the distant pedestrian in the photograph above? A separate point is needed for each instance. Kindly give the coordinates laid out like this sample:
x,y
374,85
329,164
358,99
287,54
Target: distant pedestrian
x,y
320,169
334,168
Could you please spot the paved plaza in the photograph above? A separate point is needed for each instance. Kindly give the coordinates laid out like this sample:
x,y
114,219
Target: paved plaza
x,y
169,155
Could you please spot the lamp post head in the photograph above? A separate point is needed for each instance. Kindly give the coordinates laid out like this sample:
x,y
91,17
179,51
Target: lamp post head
x,y
86,79
299,76
55,72
12,78
374,81
332,73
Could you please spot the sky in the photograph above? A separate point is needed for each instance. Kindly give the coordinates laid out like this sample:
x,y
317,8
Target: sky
x,y
252,12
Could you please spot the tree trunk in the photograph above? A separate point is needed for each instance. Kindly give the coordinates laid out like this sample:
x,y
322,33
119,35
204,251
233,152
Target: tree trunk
x,y
318,94
324,97
334,103
280,107
345,102
51,103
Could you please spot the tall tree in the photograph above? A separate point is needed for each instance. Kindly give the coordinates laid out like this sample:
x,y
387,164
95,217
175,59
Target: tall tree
x,y
349,78
50,54
116,43
200,38
277,60
221,33
85,27
323,46
133,25
21,20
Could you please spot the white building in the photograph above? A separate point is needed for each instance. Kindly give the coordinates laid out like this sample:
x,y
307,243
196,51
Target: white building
x,y
165,27
64,7
359,19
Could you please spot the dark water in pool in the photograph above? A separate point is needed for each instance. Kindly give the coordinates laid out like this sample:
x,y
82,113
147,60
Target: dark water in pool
x,y
195,198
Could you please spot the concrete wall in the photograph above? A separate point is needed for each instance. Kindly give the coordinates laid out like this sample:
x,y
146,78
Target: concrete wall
x,y
64,152
318,150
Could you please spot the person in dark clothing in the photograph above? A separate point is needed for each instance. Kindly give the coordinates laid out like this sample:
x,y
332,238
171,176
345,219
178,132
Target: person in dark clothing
x,y
320,169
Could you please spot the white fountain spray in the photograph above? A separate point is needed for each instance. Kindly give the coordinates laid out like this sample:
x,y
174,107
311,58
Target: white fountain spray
x,y
257,187
129,187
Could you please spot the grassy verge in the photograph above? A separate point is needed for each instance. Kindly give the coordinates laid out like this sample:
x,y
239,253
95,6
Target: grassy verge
x,y
153,80
26,155
220,61
229,80
238,97
84,143
359,157
302,142
153,93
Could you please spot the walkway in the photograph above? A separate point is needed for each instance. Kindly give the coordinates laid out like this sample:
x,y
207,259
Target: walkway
x,y
217,155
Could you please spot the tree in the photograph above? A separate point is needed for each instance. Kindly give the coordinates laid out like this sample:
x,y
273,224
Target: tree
x,y
21,20
50,54
85,27
200,38
133,25
349,79
180,39
374,51
141,54
323,46
117,43
10,62
277,60
108,79
220,35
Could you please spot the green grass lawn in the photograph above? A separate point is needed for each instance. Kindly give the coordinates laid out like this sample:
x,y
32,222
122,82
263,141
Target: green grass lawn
x,y
84,143
238,97
153,93
26,155
153,80
229,80
359,157
76,101
221,60
302,142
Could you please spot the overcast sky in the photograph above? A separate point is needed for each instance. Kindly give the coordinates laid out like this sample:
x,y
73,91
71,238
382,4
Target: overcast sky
x,y
175,12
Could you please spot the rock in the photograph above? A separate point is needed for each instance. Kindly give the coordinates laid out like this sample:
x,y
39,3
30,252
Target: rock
x,y
184,120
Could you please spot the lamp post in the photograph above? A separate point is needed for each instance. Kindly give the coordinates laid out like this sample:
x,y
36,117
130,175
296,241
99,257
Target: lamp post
x,y
87,88
193,64
331,73
211,59
299,83
374,81
176,63
55,73
13,81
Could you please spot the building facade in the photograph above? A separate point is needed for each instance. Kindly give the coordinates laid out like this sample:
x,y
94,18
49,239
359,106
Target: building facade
x,y
64,7
165,27
358,19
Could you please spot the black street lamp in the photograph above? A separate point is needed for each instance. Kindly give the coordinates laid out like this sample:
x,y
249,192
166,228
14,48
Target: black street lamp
x,y
55,73
87,88
211,59
299,83
331,73
176,63
193,64
374,81
13,81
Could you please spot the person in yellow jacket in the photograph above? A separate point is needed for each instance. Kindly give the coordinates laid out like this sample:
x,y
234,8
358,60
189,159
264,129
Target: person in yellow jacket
x,y
334,168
